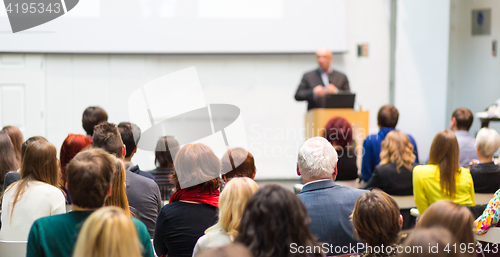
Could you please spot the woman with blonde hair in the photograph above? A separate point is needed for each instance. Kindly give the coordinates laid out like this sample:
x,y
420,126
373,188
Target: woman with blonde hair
x,y
443,178
232,203
118,196
36,195
393,174
108,232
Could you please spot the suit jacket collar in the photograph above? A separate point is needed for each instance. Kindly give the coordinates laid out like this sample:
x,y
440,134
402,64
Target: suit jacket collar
x,y
318,185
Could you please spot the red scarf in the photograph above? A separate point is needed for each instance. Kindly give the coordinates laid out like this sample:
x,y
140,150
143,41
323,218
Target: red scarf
x,y
197,196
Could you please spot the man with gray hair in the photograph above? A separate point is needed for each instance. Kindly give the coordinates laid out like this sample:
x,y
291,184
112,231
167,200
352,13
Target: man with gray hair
x,y
328,204
485,173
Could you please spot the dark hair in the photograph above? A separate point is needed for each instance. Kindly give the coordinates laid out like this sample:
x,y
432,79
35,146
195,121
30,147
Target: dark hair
x,y
388,116
421,240
17,139
445,153
8,160
131,134
452,216
464,118
166,149
107,137
376,218
89,175
29,141
338,131
91,117
195,163
72,145
273,219
242,159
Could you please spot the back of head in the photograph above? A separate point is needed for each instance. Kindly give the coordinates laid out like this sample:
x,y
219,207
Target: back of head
x,y
435,241
196,164
338,131
89,175
131,134
166,150
8,160
92,116
397,148
237,162
72,145
106,136
108,232
231,250
317,159
232,203
488,142
17,139
274,219
445,153
388,116
464,118
29,141
376,218
40,163
454,217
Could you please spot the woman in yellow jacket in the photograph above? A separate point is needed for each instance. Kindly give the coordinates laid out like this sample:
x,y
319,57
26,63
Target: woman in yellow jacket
x,y
442,178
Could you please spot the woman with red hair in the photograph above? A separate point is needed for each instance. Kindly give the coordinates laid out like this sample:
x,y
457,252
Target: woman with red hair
x,y
72,145
338,132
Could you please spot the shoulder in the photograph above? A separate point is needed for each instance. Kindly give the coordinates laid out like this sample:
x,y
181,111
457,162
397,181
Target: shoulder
x,y
338,74
352,191
311,73
371,138
425,170
139,225
141,180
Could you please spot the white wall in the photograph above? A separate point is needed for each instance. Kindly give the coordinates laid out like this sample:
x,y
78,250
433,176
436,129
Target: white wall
x,y
262,86
422,69
474,71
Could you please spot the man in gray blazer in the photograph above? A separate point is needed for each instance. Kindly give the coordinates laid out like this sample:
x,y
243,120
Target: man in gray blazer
x,y
328,204
321,81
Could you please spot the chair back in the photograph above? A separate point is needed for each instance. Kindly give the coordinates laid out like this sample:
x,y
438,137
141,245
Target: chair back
x,y
483,198
492,236
13,248
405,202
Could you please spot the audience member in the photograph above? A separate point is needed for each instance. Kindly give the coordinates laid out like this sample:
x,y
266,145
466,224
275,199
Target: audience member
x,y
328,204
232,203
377,222
454,217
13,176
118,196
394,174
131,134
92,116
237,162
232,250
275,223
193,209
490,216
461,122
339,132
435,241
72,145
165,152
108,232
8,160
486,174
442,178
17,139
88,179
387,119
142,193
36,195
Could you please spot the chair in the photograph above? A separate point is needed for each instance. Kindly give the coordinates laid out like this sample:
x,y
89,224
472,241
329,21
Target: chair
x,y
492,236
405,202
13,248
482,199
297,188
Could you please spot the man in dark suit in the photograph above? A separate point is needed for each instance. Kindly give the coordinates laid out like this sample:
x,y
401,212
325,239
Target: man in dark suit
x,y
328,204
319,82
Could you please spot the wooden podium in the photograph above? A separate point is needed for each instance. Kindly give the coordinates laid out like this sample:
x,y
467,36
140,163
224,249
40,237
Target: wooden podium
x,y
316,120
